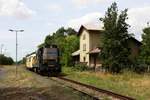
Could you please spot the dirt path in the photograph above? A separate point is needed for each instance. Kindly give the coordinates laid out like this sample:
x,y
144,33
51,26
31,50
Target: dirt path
x,y
1,71
30,86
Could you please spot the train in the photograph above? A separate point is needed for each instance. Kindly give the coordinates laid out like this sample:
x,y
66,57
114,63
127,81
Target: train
x,y
44,60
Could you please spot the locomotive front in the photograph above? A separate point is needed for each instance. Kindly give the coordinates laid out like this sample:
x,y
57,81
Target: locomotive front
x,y
51,59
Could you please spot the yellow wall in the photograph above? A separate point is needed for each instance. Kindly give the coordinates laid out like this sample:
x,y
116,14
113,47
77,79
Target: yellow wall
x,y
82,42
94,43
94,40
30,61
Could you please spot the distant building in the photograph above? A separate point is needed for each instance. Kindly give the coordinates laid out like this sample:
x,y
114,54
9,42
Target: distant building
x,y
90,47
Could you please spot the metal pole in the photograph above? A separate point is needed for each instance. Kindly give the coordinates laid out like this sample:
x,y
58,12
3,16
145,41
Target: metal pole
x,y
1,53
16,47
2,48
147,24
16,52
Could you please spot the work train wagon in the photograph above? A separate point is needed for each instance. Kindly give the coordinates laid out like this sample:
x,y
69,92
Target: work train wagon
x,y
44,60
30,60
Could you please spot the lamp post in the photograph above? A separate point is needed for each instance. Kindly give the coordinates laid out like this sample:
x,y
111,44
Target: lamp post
x,y
16,31
2,45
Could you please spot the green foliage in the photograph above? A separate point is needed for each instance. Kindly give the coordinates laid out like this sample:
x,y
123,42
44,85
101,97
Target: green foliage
x,y
115,49
23,61
71,45
5,60
40,45
128,83
71,31
67,42
145,49
143,61
140,68
80,67
49,40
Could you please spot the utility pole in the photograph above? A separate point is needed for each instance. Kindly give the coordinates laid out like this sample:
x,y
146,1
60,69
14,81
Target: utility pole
x,y
148,24
16,31
2,45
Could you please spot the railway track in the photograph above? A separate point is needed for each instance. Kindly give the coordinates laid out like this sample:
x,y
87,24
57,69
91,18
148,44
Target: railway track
x,y
91,90
94,92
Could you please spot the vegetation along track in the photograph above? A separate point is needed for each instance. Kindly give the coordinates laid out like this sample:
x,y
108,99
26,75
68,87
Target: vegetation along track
x,y
94,92
91,90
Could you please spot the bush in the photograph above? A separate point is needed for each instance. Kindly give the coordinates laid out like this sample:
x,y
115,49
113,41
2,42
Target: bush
x,y
80,67
115,68
140,68
5,60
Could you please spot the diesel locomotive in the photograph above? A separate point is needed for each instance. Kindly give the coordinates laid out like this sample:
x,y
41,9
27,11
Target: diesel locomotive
x,y
44,60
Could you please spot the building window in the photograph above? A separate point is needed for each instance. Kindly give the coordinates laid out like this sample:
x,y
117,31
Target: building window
x,y
84,47
84,37
84,59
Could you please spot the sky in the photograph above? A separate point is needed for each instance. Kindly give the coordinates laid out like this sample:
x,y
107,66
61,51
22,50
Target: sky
x,y
38,18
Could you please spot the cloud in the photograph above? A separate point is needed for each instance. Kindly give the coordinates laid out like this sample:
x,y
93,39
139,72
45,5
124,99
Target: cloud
x,y
15,8
138,18
55,7
90,20
84,3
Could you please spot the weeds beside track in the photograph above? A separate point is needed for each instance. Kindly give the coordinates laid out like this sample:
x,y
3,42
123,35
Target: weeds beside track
x,y
97,93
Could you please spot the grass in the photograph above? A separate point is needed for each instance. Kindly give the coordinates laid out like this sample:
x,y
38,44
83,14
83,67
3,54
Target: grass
x,y
28,85
127,83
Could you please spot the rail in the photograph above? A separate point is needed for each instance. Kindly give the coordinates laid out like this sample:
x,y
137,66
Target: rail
x,y
101,91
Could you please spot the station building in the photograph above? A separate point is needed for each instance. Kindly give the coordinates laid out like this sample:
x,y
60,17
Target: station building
x,y
90,47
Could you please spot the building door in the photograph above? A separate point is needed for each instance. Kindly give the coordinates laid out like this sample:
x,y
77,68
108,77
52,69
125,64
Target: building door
x,y
95,58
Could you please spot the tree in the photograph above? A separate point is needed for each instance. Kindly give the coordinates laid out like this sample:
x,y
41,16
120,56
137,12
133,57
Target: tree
x,y
67,42
22,61
9,61
49,40
71,31
71,45
115,50
60,32
41,45
5,60
145,49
